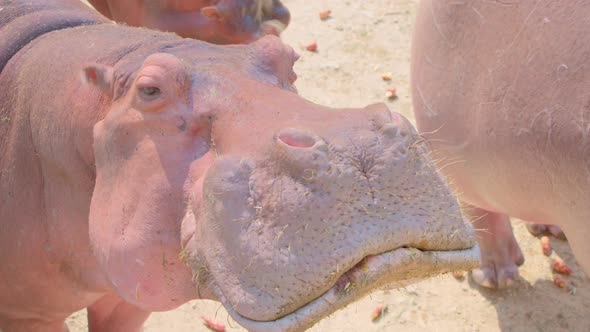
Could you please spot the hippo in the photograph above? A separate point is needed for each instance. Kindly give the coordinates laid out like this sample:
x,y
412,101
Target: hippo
x,y
500,92
141,170
215,21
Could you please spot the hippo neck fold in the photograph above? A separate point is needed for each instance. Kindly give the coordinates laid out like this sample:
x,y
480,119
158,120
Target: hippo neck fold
x,y
22,23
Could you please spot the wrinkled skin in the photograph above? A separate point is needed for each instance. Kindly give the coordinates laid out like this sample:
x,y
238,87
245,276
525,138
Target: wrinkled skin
x,y
215,21
140,170
501,93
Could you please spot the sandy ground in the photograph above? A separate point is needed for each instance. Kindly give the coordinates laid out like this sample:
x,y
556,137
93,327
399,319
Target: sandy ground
x,y
363,39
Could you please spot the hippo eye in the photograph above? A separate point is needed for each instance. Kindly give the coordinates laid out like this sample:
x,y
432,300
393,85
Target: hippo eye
x,y
150,92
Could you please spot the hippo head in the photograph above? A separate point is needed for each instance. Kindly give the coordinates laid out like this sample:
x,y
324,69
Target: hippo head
x,y
216,21
240,21
284,210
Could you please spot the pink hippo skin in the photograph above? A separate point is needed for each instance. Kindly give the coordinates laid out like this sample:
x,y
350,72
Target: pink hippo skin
x,y
140,170
215,21
502,93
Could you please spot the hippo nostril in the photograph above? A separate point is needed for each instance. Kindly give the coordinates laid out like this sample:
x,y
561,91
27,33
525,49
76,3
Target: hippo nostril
x,y
296,138
301,155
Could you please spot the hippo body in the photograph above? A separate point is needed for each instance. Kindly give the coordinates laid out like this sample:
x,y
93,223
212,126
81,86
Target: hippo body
x,y
141,170
219,22
501,91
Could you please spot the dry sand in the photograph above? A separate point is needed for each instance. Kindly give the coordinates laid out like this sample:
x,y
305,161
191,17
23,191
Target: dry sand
x,y
363,39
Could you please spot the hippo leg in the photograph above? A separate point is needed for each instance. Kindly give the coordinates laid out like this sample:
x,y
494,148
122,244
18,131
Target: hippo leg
x,y
538,229
500,253
111,313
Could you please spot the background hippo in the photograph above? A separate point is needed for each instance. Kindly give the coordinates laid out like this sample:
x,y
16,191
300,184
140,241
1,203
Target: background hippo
x,y
173,151
216,21
502,91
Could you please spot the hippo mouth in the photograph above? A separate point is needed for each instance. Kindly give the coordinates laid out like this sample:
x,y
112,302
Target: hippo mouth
x,y
391,269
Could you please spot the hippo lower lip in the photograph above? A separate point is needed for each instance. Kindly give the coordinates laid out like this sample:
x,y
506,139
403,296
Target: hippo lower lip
x,y
394,268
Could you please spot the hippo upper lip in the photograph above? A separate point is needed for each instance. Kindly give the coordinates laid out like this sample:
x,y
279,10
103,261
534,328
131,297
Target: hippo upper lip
x,y
397,267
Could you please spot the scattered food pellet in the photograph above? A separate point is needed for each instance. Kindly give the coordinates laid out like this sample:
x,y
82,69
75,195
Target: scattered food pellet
x,y
312,47
213,325
560,266
390,93
545,245
324,14
458,275
386,76
378,312
558,281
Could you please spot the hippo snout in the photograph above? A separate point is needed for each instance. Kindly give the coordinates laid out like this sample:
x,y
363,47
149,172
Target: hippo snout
x,y
285,225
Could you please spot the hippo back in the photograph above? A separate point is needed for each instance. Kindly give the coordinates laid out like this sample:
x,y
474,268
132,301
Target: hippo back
x,y
21,22
24,20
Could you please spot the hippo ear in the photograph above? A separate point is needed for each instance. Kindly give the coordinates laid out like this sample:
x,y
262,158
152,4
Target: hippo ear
x,y
100,76
212,12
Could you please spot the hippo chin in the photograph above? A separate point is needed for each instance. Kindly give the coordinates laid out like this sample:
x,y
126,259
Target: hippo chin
x,y
140,170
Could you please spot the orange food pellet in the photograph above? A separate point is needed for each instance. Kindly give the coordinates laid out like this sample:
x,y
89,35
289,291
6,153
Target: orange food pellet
x,y
390,92
558,281
560,266
545,245
378,312
213,325
324,14
312,47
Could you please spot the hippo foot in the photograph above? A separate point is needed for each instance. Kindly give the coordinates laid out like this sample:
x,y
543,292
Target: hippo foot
x,y
539,229
500,254
111,313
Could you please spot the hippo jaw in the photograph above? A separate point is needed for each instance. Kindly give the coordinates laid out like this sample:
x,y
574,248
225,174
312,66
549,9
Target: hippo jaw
x,y
396,223
393,269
